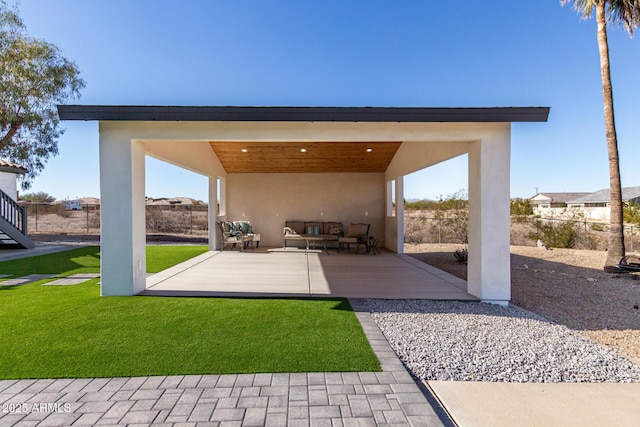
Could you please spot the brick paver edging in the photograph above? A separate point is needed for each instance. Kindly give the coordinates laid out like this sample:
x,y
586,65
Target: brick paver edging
x,y
390,397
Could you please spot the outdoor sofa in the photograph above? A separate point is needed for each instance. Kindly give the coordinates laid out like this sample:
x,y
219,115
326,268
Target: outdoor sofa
x,y
315,231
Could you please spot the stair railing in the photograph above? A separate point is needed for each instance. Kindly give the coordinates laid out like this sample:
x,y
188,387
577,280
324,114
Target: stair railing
x,y
13,213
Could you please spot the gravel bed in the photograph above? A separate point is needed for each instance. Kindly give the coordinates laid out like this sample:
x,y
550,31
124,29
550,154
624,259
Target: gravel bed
x,y
469,341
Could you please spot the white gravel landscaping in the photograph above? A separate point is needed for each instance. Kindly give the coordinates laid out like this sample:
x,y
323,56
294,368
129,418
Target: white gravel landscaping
x,y
470,341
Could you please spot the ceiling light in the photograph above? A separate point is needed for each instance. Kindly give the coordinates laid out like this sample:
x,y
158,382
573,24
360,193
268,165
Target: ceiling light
x,y
244,150
369,150
303,150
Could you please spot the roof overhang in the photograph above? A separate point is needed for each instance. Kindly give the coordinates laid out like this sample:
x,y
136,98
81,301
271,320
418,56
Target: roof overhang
x,y
6,166
302,154
303,114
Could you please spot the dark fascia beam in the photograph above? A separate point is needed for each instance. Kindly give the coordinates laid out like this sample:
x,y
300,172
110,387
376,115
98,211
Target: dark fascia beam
x,y
302,114
17,171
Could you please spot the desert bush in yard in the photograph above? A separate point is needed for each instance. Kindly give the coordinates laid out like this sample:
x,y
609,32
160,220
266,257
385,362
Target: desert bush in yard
x,y
452,215
597,226
415,230
159,220
60,211
558,234
520,207
420,205
94,219
631,213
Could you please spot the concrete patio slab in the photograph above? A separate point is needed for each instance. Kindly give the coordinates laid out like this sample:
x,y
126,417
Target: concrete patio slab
x,y
316,273
235,273
562,404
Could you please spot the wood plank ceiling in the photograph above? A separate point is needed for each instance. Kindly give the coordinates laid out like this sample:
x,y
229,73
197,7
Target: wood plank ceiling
x,y
301,157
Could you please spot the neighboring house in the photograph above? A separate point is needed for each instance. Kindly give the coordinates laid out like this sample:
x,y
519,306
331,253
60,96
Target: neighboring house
x,y
9,174
273,164
598,205
543,201
591,206
13,217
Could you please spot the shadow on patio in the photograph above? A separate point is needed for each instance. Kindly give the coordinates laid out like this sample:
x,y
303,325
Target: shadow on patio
x,y
275,272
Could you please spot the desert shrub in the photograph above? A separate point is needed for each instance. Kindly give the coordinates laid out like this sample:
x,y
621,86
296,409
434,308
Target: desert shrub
x,y
558,234
597,226
94,219
415,230
44,208
452,215
200,223
59,210
420,205
631,213
159,220
521,207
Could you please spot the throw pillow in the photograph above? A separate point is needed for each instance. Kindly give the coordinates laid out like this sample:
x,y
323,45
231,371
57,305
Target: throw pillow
x,y
245,227
335,230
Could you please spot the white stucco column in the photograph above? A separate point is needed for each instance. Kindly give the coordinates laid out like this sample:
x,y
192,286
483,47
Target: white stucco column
x,y
489,272
213,213
122,214
400,214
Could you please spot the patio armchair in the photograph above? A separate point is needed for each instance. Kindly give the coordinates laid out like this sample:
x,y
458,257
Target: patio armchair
x,y
232,237
357,234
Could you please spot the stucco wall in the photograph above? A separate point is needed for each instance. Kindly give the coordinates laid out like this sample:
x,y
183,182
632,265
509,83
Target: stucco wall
x,y
577,212
8,184
268,200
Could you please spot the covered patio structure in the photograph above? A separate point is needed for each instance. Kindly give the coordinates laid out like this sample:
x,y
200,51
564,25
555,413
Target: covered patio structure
x,y
268,165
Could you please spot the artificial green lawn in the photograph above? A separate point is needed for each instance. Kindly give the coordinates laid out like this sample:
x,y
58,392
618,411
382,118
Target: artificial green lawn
x,y
71,332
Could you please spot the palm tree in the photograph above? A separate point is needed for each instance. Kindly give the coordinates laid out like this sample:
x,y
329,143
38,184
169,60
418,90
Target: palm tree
x,y
627,13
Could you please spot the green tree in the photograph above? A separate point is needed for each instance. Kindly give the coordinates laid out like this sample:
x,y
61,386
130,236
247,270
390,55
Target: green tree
x,y
34,77
39,197
521,207
632,213
627,13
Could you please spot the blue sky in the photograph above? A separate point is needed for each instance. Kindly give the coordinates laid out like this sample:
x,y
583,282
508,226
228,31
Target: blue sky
x,y
469,53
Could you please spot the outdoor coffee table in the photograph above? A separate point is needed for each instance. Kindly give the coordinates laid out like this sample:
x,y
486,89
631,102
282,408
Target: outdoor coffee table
x,y
314,239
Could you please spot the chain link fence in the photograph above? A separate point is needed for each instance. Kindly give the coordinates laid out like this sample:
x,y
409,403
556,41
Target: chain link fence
x,y
53,218
525,231
419,227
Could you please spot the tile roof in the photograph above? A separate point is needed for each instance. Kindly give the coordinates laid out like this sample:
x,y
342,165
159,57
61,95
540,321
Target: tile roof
x,y
6,166
559,197
603,196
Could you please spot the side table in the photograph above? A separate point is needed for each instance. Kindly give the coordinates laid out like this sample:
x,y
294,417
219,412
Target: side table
x,y
372,245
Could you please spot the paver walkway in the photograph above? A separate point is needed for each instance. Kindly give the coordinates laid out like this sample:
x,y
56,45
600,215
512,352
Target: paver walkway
x,y
24,280
74,279
390,397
